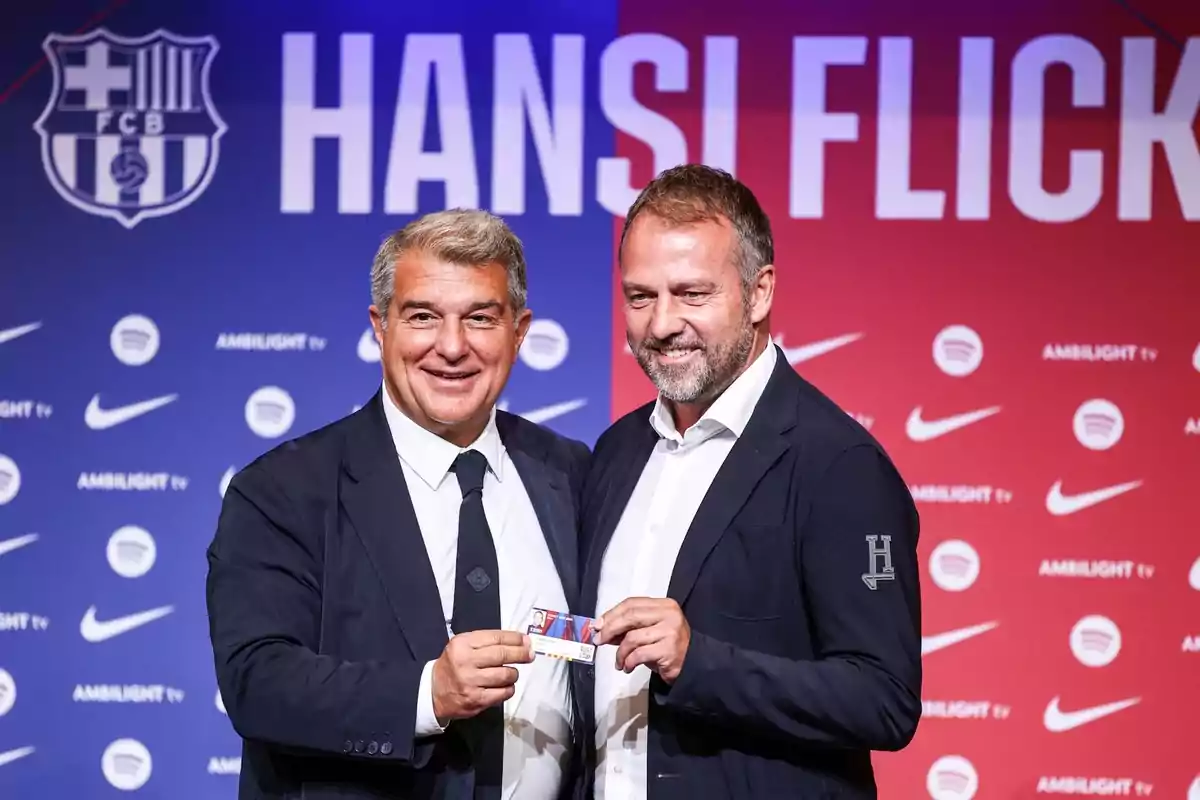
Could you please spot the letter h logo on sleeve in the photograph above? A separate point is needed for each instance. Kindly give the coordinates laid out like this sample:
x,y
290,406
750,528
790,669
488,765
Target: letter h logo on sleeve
x,y
879,555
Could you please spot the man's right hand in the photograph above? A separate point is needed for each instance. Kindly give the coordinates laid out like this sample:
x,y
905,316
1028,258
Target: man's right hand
x,y
473,672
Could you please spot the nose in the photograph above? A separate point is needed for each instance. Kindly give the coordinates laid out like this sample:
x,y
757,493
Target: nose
x,y
665,321
451,340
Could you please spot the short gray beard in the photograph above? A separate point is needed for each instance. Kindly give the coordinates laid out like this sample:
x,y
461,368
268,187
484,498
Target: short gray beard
x,y
686,384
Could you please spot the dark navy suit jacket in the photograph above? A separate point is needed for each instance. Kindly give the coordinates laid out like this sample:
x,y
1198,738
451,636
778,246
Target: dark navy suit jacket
x,y
797,667
323,609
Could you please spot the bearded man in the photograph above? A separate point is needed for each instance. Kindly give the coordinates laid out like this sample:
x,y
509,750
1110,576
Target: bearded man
x,y
749,549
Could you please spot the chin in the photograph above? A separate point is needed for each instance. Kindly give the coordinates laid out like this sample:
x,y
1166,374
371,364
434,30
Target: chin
x,y
448,416
453,413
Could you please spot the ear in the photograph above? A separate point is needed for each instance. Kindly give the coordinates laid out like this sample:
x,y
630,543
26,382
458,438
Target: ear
x,y
522,325
376,323
762,294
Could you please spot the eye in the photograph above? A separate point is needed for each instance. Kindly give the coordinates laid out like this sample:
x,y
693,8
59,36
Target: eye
x,y
420,317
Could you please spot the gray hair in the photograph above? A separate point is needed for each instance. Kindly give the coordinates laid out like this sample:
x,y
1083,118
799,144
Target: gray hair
x,y
470,237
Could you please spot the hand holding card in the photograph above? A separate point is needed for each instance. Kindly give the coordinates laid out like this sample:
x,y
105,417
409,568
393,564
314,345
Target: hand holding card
x,y
474,673
648,630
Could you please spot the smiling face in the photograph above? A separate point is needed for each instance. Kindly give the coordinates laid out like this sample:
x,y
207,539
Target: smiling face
x,y
450,343
689,323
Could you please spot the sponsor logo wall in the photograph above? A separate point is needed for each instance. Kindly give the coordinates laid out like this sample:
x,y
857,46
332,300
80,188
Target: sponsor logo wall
x,y
986,230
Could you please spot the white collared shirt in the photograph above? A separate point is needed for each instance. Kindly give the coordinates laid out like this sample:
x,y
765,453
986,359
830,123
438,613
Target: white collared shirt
x,y
538,718
641,557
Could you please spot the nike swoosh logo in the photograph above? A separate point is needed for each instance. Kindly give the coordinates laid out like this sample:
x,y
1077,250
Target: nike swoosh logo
x,y
13,755
16,543
921,430
1060,504
1057,721
94,630
98,418
940,641
547,413
19,331
804,352
368,348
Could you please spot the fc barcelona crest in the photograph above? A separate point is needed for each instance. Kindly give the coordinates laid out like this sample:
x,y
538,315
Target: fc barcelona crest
x,y
130,131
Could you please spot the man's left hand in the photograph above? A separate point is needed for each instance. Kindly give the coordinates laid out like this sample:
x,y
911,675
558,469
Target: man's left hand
x,y
650,631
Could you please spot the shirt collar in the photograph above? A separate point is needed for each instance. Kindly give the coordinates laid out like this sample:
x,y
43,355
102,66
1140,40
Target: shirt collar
x,y
431,456
731,411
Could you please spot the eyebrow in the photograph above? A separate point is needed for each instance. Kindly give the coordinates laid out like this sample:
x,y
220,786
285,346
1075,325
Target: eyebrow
x,y
674,287
485,305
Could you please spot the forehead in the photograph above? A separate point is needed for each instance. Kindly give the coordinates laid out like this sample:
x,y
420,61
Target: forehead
x,y
654,247
426,276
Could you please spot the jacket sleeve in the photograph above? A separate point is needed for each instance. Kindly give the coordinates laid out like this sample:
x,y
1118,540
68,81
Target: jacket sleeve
x,y
264,608
863,688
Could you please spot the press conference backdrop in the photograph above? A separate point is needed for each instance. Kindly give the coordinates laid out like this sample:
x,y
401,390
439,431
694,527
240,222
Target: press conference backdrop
x,y
986,230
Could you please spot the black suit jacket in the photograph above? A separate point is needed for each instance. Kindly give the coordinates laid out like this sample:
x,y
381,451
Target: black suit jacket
x,y
323,609
798,667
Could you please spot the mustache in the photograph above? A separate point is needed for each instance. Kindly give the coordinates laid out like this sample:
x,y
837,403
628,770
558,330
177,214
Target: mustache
x,y
677,342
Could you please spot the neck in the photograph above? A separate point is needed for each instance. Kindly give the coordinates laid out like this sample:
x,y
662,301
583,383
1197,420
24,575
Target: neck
x,y
686,415
460,434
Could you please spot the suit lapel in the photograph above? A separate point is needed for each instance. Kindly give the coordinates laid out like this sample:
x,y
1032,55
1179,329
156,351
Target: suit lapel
x,y
606,503
744,467
761,444
549,489
375,497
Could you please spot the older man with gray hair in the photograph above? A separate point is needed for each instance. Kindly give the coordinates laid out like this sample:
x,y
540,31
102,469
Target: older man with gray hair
x,y
369,582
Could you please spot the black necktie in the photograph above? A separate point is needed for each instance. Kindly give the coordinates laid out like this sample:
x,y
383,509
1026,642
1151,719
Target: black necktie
x,y
477,607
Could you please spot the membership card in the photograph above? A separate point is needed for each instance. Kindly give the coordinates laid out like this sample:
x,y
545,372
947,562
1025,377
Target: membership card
x,y
562,635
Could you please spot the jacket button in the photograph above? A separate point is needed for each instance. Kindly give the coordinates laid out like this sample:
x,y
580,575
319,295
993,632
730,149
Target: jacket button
x,y
373,748
386,748
347,746
358,746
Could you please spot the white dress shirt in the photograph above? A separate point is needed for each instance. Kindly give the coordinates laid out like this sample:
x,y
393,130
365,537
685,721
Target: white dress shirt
x,y
537,736
641,557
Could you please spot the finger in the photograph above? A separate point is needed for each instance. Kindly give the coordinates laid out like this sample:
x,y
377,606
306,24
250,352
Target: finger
x,y
617,624
483,639
606,632
635,639
495,677
498,655
635,604
632,614
493,697
652,655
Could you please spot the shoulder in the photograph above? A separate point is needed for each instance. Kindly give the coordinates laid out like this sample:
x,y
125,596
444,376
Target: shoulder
x,y
631,425
829,435
293,465
565,452
283,493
